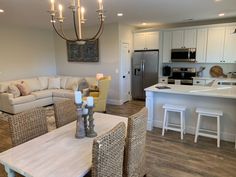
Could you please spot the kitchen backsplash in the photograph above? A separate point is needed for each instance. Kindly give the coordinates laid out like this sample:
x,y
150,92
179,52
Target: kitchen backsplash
x,y
226,67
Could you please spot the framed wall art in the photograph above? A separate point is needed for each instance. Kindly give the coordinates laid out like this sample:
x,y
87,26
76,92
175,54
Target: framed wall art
x,y
89,52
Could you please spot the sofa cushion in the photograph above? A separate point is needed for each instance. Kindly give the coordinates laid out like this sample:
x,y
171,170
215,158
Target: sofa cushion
x,y
24,88
54,83
22,99
44,82
34,84
42,94
72,83
63,93
63,82
13,90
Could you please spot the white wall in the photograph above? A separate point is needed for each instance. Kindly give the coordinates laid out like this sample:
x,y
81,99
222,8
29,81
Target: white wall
x,y
25,52
108,60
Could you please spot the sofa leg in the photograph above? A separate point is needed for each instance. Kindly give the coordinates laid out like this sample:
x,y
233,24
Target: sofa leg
x,y
104,112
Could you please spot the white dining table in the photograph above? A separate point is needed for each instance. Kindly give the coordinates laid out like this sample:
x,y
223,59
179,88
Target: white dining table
x,y
57,153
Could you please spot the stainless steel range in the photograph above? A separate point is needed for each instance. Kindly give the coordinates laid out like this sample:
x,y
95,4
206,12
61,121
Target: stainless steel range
x,y
182,76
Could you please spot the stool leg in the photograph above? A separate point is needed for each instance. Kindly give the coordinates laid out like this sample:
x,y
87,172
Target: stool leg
x,y
197,128
181,125
164,123
184,122
167,120
218,131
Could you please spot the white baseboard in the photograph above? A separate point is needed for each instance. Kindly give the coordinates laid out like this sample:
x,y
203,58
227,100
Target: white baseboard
x,y
114,102
191,130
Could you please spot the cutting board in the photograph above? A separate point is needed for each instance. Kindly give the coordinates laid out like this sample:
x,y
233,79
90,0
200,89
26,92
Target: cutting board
x,y
217,71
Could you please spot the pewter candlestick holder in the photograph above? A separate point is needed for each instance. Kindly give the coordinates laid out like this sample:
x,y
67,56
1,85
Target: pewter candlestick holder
x,y
90,129
80,123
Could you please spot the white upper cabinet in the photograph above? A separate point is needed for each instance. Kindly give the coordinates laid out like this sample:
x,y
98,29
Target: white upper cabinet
x,y
215,45
146,41
184,38
230,45
201,45
177,39
190,38
166,51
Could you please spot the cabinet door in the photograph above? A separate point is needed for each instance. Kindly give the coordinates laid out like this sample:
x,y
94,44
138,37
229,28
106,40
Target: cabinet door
x,y
177,39
152,40
215,45
166,53
139,41
201,45
190,38
230,45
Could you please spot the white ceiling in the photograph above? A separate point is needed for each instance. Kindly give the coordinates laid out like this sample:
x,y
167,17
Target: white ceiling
x,y
153,12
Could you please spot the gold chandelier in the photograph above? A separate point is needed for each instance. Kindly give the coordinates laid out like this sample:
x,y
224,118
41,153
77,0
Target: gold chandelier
x,y
79,11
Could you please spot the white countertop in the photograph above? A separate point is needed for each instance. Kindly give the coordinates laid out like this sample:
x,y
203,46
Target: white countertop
x,y
214,91
216,78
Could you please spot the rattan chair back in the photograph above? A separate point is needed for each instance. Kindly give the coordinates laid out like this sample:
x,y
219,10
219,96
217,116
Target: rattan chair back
x,y
108,153
27,125
65,112
134,161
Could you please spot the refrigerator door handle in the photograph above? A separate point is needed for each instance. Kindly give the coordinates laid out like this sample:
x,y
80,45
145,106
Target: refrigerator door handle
x,y
143,65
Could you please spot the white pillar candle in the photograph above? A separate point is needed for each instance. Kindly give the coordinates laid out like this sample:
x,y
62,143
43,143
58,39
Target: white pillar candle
x,y
52,5
60,10
78,97
100,5
85,111
90,101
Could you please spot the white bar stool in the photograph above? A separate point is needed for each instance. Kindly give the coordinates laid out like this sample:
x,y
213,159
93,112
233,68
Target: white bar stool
x,y
212,113
175,127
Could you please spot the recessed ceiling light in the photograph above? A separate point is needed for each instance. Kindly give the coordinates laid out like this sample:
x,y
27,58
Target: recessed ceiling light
x,y
217,0
1,10
144,23
221,14
119,14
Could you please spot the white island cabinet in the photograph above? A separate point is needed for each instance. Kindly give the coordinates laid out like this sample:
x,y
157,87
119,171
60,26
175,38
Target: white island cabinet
x,y
218,97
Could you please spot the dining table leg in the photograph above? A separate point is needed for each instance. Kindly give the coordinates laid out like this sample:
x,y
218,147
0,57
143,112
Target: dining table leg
x,y
10,172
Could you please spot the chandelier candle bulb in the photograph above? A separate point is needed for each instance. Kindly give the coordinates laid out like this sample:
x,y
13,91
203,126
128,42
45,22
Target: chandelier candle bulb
x,y
72,3
90,101
60,11
52,5
82,13
100,4
78,97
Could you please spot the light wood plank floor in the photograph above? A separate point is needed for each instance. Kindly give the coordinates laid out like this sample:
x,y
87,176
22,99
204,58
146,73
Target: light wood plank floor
x,y
168,156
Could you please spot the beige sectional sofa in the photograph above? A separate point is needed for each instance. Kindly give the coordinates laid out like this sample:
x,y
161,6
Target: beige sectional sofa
x,y
44,91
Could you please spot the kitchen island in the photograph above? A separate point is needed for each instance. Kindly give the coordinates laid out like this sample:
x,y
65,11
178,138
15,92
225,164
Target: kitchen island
x,y
215,97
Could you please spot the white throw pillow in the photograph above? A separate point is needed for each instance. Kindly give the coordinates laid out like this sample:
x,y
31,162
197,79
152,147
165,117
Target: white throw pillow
x,y
71,83
63,82
12,88
54,83
34,84
44,82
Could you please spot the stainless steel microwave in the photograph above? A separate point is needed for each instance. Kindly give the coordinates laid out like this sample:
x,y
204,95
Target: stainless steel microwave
x,y
183,55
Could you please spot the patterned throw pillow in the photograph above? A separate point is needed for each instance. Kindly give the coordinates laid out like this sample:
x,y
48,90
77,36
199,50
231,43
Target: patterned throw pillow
x,y
13,90
24,88
83,84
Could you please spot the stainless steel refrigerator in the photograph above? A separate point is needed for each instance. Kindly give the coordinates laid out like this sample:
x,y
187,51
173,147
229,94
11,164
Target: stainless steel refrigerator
x,y
144,72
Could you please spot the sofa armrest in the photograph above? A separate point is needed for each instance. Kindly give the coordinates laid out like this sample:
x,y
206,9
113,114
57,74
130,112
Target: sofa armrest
x,y
5,98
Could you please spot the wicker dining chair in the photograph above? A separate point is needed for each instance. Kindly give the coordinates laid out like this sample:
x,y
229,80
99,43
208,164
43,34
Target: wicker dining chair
x,y
65,112
27,125
134,160
108,153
